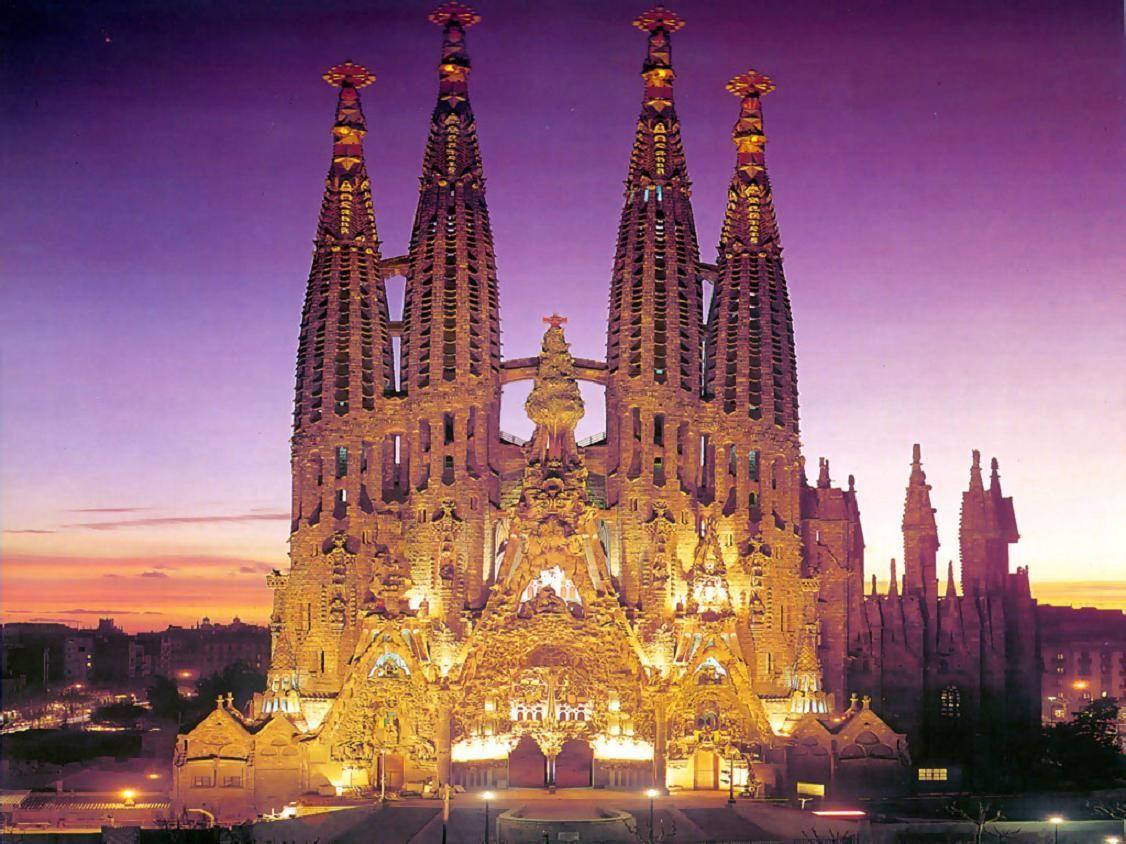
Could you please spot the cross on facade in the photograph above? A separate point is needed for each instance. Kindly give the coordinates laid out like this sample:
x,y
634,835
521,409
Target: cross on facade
x,y
555,321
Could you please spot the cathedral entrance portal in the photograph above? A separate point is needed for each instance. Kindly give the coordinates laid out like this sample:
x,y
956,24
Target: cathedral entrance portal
x,y
705,764
574,764
391,773
527,766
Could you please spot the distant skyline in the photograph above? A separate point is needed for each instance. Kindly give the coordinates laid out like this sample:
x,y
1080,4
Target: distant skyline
x,y
949,182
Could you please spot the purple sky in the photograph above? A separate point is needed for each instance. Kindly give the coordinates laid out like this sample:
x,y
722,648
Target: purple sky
x,y
948,178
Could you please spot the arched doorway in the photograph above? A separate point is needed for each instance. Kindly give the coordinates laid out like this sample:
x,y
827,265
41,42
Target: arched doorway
x,y
574,764
527,766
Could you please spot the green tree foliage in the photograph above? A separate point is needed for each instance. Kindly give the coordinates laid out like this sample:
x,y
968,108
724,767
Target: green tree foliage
x,y
1083,753
165,700
237,679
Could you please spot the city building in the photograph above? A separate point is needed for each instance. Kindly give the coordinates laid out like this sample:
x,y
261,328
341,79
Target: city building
x,y
669,604
1084,660
190,653
78,658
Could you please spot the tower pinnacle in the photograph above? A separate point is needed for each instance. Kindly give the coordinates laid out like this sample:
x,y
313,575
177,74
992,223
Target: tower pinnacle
x,y
348,74
453,70
750,363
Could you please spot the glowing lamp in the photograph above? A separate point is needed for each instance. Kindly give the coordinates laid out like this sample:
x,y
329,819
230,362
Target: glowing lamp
x,y
839,813
1055,819
652,793
127,796
487,795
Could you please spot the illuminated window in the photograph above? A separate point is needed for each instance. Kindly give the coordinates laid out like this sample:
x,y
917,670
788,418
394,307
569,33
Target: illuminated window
x,y
201,782
950,702
932,775
341,461
232,782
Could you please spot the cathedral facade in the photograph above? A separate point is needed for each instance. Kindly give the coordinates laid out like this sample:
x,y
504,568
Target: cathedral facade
x,y
669,604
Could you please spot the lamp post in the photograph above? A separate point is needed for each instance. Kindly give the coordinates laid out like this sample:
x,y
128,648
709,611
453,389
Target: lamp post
x,y
1055,821
731,779
382,775
487,796
652,795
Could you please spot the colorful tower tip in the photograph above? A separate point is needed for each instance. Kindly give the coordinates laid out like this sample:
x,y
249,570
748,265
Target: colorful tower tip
x,y
750,82
348,73
659,18
454,12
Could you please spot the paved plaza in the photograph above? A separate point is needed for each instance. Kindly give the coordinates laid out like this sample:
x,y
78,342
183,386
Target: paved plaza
x,y
690,816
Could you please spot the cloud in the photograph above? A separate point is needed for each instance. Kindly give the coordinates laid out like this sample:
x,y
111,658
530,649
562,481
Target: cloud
x,y
273,516
153,574
29,530
115,576
91,612
107,510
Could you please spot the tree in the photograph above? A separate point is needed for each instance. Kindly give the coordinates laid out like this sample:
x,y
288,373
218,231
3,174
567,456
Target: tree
x,y
982,814
237,679
1083,753
164,698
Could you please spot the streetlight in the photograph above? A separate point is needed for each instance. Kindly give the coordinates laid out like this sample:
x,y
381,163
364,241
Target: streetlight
x,y
487,796
652,795
1112,839
1055,821
127,796
731,779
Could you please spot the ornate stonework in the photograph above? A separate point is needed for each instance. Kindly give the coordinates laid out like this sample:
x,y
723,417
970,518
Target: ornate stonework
x,y
665,604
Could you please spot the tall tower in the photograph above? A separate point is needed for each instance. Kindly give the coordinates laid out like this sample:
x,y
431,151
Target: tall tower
x,y
751,370
920,537
986,528
344,383
450,356
654,335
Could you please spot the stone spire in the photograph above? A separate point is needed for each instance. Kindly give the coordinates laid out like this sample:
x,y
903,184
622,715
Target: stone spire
x,y
655,292
987,527
823,480
751,369
344,358
451,327
893,584
951,592
920,536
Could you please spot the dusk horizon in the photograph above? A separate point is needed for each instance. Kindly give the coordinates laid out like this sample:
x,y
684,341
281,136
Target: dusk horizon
x,y
946,197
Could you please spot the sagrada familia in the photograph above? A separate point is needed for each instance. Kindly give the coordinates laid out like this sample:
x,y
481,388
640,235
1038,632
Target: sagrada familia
x,y
670,604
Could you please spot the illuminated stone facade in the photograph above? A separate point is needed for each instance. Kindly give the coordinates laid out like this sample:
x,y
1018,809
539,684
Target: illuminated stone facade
x,y
668,604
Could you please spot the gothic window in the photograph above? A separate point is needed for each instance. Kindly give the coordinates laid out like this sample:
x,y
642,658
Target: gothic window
x,y
950,702
448,427
341,461
659,429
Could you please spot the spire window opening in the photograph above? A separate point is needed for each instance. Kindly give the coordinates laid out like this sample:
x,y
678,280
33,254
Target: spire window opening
x,y
341,461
